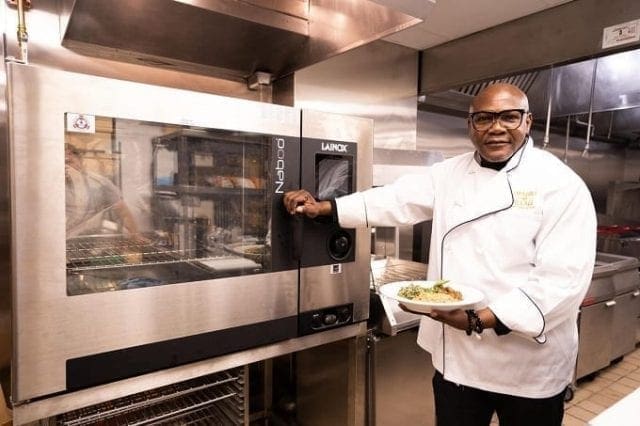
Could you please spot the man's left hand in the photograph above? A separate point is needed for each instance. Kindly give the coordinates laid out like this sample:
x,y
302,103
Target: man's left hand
x,y
456,318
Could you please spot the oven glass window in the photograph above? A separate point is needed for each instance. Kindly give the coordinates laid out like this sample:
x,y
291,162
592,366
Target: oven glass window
x,y
334,176
150,204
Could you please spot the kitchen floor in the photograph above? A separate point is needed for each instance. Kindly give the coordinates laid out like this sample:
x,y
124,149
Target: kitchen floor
x,y
610,385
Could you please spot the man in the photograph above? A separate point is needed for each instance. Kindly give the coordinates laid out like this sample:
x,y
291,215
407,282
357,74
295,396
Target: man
x,y
89,196
517,224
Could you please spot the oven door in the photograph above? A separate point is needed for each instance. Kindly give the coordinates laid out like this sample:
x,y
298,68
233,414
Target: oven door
x,y
148,228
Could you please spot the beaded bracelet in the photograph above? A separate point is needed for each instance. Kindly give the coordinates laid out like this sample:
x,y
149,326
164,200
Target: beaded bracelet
x,y
474,323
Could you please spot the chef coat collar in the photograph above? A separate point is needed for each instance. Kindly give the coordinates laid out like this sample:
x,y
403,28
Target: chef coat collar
x,y
507,165
497,166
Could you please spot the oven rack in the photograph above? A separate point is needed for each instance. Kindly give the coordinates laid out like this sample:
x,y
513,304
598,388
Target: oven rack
x,y
108,260
211,400
87,255
95,253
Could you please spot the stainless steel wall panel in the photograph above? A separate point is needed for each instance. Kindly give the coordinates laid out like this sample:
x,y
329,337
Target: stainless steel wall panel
x,y
603,163
400,381
442,134
616,86
572,88
390,164
377,81
330,383
51,327
5,235
632,165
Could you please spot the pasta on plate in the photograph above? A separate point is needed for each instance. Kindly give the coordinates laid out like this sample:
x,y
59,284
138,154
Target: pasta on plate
x,y
438,293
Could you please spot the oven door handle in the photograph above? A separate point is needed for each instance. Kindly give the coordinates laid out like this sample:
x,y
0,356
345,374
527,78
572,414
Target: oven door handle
x,y
297,225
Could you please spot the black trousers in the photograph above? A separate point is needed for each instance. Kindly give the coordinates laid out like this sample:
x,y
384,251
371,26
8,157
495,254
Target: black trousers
x,y
458,405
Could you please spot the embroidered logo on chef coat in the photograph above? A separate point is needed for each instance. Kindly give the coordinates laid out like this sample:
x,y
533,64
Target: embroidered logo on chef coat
x,y
524,199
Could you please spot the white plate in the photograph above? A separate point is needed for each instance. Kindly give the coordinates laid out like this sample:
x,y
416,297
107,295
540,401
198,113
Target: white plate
x,y
470,297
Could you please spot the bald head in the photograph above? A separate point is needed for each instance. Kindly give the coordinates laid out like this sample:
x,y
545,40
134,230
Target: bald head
x,y
499,121
500,92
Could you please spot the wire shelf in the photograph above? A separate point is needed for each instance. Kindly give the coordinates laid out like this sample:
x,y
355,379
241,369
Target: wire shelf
x,y
101,253
211,400
84,254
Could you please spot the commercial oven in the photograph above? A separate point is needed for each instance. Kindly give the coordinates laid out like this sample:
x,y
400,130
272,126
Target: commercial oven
x,y
148,229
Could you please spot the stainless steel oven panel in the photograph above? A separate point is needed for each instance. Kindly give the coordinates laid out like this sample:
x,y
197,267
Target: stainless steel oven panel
x,y
51,327
320,286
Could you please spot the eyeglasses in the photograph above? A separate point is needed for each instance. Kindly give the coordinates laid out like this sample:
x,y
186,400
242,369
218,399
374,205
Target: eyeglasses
x,y
509,119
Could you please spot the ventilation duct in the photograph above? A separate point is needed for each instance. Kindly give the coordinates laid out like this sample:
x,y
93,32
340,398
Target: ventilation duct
x,y
226,38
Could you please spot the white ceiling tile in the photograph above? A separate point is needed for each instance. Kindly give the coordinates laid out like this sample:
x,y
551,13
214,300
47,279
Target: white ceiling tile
x,y
451,19
456,18
416,8
417,37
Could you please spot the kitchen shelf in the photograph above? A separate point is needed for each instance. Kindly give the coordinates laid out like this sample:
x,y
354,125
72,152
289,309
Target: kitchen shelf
x,y
214,399
207,190
105,253
88,254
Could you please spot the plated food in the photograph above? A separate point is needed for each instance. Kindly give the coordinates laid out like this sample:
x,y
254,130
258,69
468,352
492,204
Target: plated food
x,y
424,296
439,292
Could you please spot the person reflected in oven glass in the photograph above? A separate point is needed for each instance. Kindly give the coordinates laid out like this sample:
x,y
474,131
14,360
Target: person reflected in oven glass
x,y
519,225
89,196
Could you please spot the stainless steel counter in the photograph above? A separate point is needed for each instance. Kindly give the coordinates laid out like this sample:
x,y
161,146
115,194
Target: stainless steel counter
x,y
386,315
400,390
608,314
399,371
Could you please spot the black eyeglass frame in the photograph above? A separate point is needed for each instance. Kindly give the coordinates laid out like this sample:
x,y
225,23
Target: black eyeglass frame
x,y
495,116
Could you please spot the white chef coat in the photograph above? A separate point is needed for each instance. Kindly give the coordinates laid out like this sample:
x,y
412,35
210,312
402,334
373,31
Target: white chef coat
x,y
525,236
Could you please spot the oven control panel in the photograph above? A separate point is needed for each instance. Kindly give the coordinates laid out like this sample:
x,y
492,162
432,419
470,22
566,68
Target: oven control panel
x,y
325,319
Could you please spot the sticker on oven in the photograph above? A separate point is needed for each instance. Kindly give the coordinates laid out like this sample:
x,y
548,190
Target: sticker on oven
x,y
336,268
81,123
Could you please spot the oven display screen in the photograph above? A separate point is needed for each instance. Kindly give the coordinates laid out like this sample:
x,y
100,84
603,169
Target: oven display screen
x,y
334,176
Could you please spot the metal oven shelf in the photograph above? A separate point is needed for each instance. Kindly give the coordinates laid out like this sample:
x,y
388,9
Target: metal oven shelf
x,y
84,254
101,253
215,399
97,264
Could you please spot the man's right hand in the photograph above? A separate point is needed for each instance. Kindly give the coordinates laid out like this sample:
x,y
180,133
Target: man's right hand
x,y
302,202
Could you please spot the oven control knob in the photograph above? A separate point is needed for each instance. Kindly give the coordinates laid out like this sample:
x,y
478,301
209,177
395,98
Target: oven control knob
x,y
316,321
344,314
329,319
339,245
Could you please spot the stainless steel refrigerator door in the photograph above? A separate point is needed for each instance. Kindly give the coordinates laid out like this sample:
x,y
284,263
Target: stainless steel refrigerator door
x,y
51,327
327,285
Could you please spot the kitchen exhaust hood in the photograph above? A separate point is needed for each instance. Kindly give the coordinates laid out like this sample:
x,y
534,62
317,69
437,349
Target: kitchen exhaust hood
x,y
230,39
614,101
